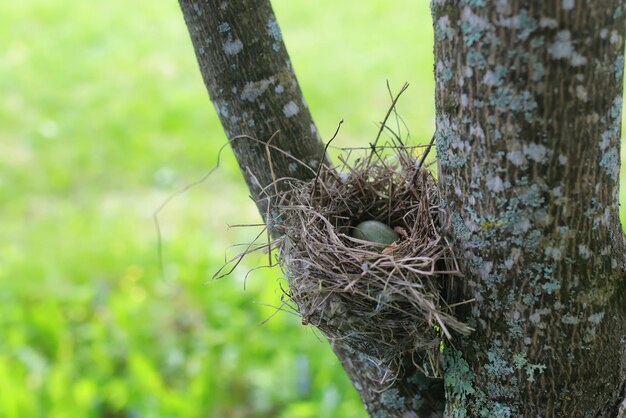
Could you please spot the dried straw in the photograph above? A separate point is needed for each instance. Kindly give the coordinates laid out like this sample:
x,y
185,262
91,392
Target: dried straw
x,y
383,303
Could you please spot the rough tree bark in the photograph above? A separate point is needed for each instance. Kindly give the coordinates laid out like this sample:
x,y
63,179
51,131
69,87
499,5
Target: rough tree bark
x,y
528,127
529,102
255,92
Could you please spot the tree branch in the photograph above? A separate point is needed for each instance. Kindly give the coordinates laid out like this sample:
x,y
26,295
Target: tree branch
x,y
254,90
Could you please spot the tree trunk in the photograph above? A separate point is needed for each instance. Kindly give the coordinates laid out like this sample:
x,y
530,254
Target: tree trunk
x,y
529,102
528,128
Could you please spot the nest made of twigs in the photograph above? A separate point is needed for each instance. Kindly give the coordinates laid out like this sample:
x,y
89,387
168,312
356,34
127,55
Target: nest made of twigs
x,y
384,302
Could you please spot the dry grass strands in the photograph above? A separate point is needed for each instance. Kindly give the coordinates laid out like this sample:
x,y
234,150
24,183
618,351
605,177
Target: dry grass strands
x,y
382,301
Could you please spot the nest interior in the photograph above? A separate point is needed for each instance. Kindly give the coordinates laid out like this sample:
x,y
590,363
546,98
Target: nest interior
x,y
384,302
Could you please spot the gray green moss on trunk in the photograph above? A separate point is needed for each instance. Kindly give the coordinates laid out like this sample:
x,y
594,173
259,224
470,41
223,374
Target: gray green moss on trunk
x,y
529,101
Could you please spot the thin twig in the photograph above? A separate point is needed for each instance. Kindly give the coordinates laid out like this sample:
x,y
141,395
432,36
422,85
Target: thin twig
x,y
384,122
425,154
155,214
319,168
397,116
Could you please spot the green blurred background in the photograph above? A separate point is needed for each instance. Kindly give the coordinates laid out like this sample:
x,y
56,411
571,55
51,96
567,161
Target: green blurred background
x,y
103,115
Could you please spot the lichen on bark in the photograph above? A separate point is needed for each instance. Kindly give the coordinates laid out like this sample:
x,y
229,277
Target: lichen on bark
x,y
528,133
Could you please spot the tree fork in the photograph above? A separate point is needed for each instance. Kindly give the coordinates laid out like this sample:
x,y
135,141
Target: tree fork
x,y
250,80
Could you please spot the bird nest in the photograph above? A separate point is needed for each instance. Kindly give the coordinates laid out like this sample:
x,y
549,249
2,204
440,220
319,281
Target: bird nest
x,y
384,301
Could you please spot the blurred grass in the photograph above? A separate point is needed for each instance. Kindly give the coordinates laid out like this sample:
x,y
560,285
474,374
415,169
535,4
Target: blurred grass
x,y
103,114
